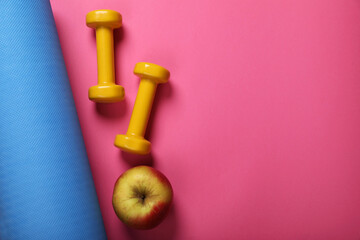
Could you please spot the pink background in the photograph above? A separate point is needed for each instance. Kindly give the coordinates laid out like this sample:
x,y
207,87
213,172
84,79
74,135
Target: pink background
x,y
258,129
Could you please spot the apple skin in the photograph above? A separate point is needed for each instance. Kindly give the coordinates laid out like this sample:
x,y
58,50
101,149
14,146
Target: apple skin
x,y
142,197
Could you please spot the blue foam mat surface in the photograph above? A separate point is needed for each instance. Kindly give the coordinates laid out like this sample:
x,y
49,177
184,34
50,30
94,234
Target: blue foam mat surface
x,y
46,186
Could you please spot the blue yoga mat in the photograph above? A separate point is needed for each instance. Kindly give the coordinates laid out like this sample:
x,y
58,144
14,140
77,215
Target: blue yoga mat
x,y
46,186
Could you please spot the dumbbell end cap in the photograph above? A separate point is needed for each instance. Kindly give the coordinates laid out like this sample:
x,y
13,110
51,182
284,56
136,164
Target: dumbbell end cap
x,y
132,144
152,71
106,93
103,18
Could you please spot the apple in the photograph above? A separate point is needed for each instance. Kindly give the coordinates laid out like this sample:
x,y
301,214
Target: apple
x,y
142,197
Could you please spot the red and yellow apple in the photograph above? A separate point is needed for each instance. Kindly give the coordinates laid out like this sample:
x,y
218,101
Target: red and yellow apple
x,y
142,197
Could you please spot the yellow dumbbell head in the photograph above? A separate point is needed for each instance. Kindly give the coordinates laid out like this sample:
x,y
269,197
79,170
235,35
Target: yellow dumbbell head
x,y
106,93
103,18
152,71
133,144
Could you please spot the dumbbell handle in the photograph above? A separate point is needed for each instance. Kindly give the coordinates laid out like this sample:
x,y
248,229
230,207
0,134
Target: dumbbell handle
x,y
105,55
142,108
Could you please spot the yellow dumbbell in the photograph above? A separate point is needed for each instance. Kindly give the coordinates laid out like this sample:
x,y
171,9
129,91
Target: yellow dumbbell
x,y
151,75
104,21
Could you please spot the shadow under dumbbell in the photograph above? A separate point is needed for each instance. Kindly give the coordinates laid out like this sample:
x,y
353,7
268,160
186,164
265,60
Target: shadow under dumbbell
x,y
134,160
118,37
112,110
163,92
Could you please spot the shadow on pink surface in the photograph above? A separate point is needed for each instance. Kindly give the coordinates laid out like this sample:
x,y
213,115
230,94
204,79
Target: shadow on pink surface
x,y
163,93
134,160
112,110
165,231
118,37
